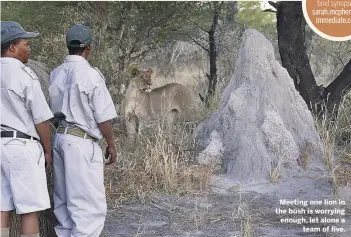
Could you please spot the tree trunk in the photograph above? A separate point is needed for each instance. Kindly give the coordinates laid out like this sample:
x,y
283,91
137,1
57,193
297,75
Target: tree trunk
x,y
334,92
120,33
292,49
47,218
121,60
212,77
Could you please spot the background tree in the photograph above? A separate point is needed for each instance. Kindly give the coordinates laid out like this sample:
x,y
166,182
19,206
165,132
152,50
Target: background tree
x,y
208,26
129,32
291,37
212,45
135,29
251,15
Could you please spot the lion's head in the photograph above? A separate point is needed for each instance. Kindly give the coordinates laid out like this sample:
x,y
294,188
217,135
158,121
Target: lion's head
x,y
142,78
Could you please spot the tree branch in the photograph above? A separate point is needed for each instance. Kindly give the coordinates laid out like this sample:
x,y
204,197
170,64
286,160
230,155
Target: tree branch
x,y
274,4
291,43
269,10
196,42
199,26
333,93
142,53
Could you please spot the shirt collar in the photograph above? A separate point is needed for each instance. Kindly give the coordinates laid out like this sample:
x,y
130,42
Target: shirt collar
x,y
10,60
75,58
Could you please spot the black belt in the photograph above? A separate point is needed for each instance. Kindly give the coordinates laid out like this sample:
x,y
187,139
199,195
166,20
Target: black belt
x,y
18,135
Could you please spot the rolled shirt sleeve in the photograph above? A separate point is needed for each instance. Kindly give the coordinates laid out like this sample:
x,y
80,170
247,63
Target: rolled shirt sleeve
x,y
102,104
36,103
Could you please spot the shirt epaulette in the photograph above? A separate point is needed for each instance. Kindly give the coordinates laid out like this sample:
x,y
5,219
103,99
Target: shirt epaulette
x,y
30,72
100,73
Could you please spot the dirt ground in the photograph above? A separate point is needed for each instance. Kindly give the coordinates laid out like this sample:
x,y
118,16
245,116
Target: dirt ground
x,y
232,215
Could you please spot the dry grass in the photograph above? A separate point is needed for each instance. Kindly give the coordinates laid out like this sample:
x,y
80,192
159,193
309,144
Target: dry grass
x,y
335,135
276,171
246,227
200,215
157,161
305,154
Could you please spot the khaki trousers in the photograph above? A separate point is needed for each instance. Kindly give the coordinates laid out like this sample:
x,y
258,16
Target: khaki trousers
x,y
79,192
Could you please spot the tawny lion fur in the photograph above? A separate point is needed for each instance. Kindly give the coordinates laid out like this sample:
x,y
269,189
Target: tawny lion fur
x,y
141,104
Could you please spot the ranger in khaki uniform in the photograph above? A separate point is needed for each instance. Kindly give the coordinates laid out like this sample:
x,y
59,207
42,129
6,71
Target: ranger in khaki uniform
x,y
81,102
25,117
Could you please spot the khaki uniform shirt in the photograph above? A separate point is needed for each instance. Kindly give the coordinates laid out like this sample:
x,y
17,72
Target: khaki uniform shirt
x,y
23,103
78,91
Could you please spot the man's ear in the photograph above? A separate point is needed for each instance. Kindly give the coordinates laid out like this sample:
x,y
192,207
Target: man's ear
x,y
150,71
12,48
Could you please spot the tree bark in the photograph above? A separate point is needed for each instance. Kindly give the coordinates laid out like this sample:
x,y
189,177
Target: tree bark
x,y
334,92
292,49
212,77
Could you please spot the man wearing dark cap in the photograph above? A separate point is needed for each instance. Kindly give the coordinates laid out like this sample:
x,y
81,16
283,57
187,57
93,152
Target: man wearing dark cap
x,y
81,102
25,133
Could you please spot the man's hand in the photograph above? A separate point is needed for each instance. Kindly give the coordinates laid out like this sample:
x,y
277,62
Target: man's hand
x,y
110,151
44,132
106,129
48,160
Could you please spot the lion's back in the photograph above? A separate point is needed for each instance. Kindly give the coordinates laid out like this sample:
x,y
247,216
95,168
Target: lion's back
x,y
182,98
172,91
172,96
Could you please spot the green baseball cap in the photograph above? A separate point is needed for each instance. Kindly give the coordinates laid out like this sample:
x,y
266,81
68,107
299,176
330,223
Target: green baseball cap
x,y
79,36
11,30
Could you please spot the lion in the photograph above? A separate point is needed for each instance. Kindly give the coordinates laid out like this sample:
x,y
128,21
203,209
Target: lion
x,y
143,104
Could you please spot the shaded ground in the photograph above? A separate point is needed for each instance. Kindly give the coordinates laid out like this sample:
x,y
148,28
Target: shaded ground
x,y
245,214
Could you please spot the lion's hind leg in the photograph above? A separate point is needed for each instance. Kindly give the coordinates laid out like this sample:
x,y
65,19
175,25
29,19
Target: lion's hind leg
x,y
131,126
171,117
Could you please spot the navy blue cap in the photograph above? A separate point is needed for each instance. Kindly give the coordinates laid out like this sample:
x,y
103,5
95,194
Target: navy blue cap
x,y
79,36
11,30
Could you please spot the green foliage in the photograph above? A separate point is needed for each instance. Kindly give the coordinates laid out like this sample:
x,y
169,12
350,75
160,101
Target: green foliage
x,y
34,15
146,25
251,14
127,32
50,19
